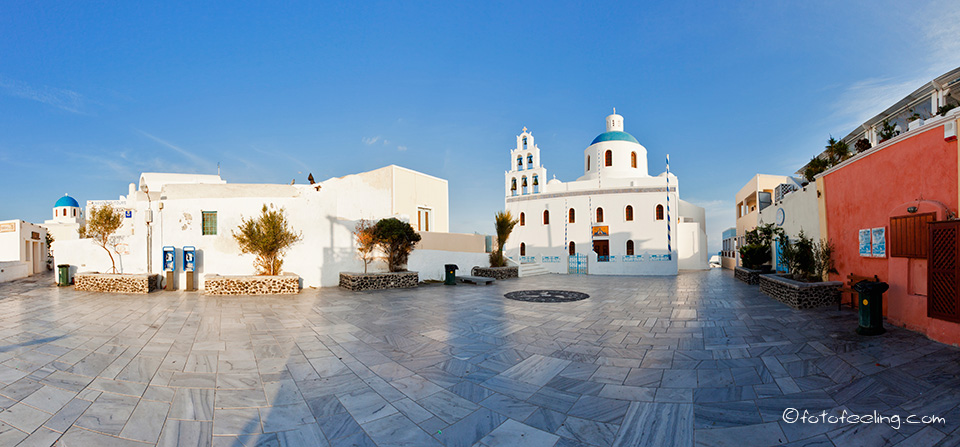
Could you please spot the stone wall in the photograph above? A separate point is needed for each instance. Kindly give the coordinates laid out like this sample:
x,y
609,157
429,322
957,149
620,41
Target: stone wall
x,y
800,295
496,272
285,284
116,282
378,281
748,276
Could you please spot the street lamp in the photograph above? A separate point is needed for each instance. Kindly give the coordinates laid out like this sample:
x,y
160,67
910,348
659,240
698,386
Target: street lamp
x,y
148,218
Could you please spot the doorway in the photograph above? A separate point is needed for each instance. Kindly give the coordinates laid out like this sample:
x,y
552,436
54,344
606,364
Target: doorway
x,y
602,249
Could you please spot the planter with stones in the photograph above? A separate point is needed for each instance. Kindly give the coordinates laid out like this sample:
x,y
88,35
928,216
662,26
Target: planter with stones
x,y
800,295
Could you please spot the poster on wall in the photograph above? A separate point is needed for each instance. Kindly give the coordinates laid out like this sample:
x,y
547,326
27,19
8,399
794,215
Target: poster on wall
x,y
879,242
865,249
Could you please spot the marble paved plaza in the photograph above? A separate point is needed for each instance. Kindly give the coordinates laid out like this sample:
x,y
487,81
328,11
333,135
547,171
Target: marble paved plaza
x,y
698,359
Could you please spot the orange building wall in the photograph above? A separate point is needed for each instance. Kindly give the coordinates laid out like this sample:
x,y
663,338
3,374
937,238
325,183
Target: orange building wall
x,y
867,192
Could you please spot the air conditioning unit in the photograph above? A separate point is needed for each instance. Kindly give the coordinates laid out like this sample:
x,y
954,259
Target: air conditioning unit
x,y
950,130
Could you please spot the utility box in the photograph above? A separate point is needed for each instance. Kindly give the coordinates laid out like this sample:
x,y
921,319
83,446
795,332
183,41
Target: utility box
x,y
190,267
170,266
870,294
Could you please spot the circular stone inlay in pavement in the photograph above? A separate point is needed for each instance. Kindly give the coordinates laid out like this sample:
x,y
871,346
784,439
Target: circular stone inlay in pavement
x,y
546,296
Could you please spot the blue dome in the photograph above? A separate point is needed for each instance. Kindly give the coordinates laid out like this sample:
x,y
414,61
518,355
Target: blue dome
x,y
614,135
66,201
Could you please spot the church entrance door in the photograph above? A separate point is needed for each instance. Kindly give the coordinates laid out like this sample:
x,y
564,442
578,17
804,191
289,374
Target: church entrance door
x,y
602,249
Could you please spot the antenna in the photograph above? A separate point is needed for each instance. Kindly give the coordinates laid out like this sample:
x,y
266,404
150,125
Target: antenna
x,y
218,169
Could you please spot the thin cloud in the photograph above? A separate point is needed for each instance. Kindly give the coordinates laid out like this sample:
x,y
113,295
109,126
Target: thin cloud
x,y
370,140
60,98
194,158
401,148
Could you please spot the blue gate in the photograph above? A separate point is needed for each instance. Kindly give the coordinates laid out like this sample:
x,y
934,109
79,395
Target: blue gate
x,y
781,265
577,264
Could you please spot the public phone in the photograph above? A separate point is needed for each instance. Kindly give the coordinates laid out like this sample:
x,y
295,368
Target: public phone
x,y
170,266
190,266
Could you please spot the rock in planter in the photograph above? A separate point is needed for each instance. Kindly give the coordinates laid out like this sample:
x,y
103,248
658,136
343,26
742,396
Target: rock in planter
x,y
378,281
800,295
496,272
285,284
116,282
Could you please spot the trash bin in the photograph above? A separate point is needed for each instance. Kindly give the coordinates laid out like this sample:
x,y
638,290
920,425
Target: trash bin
x,y
451,276
63,275
870,294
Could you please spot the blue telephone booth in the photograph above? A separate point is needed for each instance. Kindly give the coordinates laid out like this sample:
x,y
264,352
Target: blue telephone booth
x,y
190,266
169,266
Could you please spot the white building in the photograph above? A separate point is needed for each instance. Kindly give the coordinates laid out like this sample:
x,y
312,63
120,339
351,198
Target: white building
x,y
204,211
616,216
23,250
67,220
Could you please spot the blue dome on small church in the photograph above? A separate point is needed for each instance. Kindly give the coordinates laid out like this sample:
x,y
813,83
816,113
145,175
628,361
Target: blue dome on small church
x,y
66,201
614,135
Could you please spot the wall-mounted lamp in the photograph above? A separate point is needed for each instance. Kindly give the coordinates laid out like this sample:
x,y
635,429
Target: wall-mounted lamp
x,y
912,209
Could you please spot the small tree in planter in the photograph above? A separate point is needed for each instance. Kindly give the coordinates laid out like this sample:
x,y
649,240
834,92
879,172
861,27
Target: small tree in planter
x,y
397,240
504,223
808,261
814,167
366,242
267,237
49,240
862,145
102,223
756,251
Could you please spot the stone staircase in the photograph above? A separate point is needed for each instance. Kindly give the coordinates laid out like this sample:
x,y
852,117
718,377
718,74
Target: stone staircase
x,y
532,269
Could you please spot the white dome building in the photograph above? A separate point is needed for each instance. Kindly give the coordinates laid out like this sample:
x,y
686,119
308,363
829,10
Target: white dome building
x,y
67,219
614,219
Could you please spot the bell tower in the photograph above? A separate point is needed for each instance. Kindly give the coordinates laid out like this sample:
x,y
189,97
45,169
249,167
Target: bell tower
x,y
526,175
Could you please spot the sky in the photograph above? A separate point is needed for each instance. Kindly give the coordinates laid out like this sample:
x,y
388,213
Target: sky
x,y
93,94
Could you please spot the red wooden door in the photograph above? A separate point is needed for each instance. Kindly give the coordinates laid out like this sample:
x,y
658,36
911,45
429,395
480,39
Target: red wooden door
x,y
943,275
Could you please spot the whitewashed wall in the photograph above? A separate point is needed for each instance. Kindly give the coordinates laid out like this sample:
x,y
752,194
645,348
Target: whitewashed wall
x,y
11,270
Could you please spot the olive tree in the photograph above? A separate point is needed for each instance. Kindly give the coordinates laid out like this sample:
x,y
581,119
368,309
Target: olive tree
x,y
366,242
397,240
267,237
102,223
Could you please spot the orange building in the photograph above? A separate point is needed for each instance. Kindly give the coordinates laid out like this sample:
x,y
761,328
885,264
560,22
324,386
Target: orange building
x,y
877,212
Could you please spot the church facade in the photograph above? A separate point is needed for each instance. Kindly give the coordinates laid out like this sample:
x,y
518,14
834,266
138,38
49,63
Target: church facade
x,y
615,219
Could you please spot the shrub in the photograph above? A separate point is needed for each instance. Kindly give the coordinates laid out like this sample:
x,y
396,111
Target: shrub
x,y
862,145
756,249
268,238
504,223
808,260
397,240
101,224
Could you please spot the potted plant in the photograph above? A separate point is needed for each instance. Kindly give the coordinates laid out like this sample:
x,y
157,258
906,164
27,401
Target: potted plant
x,y
862,145
914,120
942,110
806,285
886,131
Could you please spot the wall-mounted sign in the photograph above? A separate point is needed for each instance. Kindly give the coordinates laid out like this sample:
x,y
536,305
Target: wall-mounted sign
x,y
128,214
865,247
601,230
879,241
34,235
781,217
8,227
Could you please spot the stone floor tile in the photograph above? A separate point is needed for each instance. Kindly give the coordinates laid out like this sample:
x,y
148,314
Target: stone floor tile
x,y
513,433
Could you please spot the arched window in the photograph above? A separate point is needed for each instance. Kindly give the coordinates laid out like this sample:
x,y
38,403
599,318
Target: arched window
x,y
572,216
529,161
628,213
546,217
523,183
633,159
573,248
523,249
513,184
536,183
588,162
522,220
74,213
608,158
524,142
629,248
599,214
659,212
520,162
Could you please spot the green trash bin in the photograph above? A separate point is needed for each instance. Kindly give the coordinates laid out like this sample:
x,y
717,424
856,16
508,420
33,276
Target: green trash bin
x,y
870,294
63,275
451,277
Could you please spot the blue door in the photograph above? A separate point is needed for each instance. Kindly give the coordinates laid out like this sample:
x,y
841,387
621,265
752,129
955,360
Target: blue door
x,y
781,265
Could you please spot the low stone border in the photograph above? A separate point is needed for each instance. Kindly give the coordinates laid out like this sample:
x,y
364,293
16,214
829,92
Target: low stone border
x,y
116,282
496,272
800,295
285,284
749,276
378,281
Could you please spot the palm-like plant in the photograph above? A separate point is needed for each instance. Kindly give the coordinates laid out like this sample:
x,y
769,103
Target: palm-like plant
x,y
504,223
814,167
837,151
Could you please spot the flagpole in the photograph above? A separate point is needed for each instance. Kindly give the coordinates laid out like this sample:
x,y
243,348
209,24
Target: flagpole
x,y
669,245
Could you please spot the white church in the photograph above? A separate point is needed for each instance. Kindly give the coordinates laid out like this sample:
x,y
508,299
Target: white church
x,y
616,219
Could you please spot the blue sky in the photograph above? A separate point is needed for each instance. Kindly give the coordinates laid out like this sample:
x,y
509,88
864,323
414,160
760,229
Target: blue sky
x,y
93,94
